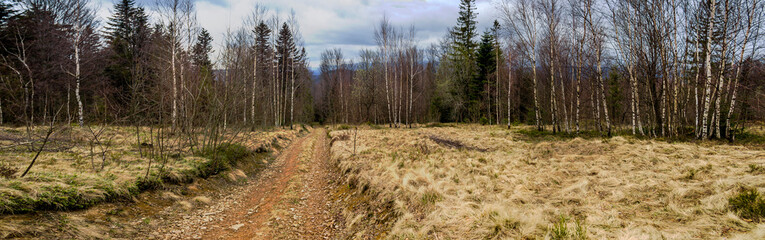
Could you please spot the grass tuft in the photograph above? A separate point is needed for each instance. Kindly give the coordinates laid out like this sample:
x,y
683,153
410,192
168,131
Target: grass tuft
x,y
8,171
430,197
748,204
559,229
756,169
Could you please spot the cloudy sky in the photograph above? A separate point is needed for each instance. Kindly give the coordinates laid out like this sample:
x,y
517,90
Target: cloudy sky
x,y
326,24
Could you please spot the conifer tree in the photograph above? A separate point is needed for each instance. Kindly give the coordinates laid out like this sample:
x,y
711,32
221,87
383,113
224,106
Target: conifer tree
x,y
463,54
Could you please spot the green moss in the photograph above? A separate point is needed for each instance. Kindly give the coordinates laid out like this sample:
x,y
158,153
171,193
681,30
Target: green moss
x,y
220,158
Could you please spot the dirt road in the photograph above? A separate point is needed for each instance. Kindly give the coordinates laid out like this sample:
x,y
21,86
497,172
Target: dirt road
x,y
289,200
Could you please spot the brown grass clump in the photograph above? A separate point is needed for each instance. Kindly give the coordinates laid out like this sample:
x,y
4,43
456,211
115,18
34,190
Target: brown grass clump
x,y
617,188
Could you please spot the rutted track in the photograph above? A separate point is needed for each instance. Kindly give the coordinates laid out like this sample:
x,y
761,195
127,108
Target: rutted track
x,y
288,200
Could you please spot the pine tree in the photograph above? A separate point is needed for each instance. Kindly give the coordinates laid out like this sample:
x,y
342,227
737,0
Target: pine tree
x,y
463,54
285,47
127,34
486,64
202,49
262,54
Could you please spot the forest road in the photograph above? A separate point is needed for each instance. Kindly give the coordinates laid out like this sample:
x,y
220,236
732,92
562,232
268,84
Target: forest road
x,y
288,200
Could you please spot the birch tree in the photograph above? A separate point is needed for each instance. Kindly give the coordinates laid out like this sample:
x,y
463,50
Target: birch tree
x,y
708,70
82,18
171,17
749,20
552,17
521,16
383,37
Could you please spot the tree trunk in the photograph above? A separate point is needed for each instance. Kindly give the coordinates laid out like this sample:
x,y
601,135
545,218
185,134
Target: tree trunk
x,y
496,73
721,82
603,89
553,111
708,69
292,95
595,98
275,97
536,101
387,82
509,84
254,87
80,118
175,88
696,112
734,89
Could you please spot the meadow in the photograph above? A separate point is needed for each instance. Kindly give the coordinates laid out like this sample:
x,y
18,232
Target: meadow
x,y
489,182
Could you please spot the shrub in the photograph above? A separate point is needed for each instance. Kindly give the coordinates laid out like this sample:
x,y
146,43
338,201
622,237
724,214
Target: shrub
x,y
748,204
484,121
221,158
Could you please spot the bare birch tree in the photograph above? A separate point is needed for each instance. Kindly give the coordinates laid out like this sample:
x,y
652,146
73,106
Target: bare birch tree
x,y
708,69
522,18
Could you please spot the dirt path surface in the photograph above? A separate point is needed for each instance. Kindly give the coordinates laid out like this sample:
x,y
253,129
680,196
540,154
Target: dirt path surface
x,y
288,200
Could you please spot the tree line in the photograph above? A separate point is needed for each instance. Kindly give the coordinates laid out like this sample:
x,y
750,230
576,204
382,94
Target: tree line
x,y
654,68
59,58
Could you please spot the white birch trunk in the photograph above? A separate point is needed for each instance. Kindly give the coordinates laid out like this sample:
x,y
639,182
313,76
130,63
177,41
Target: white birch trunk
x,y
603,89
387,82
175,87
579,63
697,130
563,93
721,81
555,125
708,69
80,118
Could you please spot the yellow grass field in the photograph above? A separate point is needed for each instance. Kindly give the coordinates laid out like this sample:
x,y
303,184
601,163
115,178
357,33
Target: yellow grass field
x,y
488,182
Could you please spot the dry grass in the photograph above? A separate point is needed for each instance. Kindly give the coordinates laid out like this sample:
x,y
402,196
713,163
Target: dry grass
x,y
618,188
68,175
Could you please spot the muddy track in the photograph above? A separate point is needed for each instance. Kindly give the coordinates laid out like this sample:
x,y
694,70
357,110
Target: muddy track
x,y
288,200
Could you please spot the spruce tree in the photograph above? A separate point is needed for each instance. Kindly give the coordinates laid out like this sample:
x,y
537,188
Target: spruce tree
x,y
486,64
127,33
463,55
202,49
